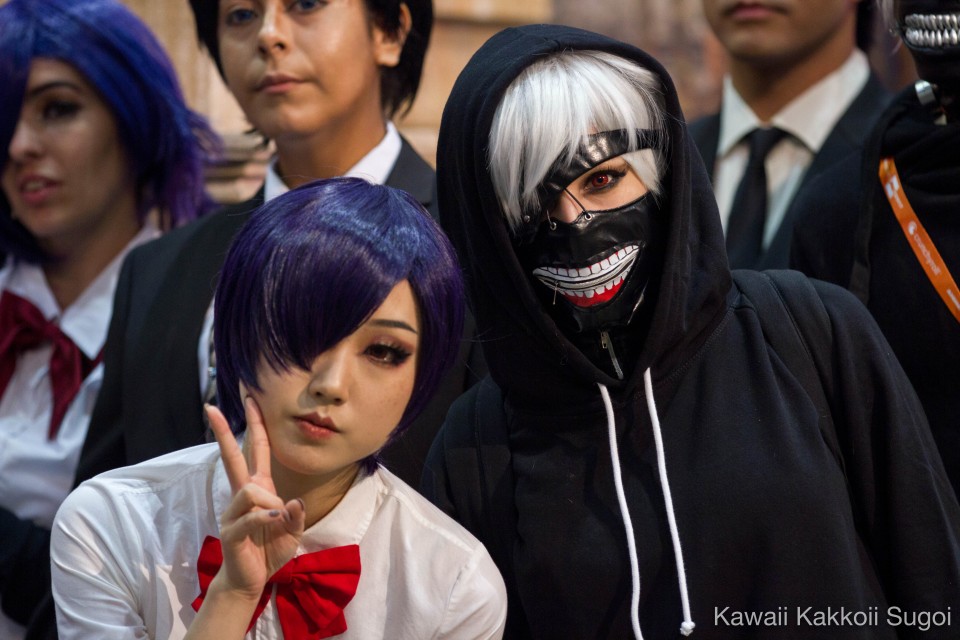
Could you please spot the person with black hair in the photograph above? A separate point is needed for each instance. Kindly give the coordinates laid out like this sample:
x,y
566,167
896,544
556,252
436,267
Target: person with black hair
x,y
322,81
799,95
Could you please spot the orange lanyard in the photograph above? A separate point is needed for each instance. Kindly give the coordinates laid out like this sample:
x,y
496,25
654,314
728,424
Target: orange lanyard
x,y
920,242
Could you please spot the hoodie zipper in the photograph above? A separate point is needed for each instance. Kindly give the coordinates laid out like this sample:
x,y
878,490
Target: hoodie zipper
x,y
607,344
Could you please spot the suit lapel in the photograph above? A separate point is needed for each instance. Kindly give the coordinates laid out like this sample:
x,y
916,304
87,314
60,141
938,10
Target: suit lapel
x,y
190,288
847,136
412,174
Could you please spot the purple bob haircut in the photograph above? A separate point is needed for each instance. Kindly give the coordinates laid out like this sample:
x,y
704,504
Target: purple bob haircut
x,y
167,144
309,268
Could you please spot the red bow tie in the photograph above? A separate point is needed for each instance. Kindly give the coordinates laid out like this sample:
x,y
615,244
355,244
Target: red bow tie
x,y
22,328
312,589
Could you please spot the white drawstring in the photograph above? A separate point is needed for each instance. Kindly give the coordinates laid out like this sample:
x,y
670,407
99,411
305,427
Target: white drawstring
x,y
686,628
624,515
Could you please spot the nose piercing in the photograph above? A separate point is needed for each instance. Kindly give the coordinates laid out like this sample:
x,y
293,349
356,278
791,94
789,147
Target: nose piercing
x,y
583,209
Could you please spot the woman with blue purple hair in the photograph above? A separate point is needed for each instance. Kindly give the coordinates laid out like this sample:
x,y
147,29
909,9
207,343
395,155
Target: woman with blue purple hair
x,y
338,312
98,153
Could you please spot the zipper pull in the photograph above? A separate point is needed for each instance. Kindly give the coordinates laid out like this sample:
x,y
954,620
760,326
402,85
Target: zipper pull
x,y
607,345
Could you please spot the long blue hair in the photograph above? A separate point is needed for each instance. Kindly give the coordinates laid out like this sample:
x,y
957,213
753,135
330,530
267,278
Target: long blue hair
x,y
166,142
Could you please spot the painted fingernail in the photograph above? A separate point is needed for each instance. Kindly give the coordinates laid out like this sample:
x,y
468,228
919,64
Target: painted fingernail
x,y
274,513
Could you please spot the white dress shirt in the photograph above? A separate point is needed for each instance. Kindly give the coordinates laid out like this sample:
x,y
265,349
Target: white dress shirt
x,y
809,118
36,473
374,167
125,546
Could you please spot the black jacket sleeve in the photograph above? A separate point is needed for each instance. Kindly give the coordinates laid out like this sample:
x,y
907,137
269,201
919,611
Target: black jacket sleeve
x,y
904,504
24,566
104,447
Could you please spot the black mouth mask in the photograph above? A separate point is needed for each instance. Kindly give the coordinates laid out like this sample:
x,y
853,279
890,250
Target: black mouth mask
x,y
929,29
595,273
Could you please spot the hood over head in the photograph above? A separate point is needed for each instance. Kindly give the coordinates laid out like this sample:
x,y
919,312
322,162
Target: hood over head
x,y
521,341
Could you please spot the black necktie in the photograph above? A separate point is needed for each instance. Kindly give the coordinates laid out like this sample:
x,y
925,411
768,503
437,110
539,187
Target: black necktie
x,y
749,211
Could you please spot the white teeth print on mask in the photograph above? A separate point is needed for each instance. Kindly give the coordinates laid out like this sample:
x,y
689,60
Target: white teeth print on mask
x,y
932,31
591,285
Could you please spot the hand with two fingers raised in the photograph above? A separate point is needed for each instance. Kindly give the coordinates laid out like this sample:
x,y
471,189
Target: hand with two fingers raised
x,y
259,532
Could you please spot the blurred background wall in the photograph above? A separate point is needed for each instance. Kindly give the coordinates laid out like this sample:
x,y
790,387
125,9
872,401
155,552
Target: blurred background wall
x,y
674,31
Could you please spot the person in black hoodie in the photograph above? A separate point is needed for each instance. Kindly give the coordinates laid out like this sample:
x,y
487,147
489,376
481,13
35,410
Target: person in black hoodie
x,y
850,234
664,445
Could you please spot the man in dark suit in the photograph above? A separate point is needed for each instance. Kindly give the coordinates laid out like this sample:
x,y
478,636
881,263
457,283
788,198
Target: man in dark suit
x,y
797,67
322,82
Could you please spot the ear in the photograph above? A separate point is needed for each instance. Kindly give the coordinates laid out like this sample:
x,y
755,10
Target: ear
x,y
387,47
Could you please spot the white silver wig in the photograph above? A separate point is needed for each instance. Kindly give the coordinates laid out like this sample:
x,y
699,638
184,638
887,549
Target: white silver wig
x,y
553,105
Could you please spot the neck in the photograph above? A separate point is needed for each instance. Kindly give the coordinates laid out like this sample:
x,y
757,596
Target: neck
x,y
768,88
326,154
320,493
70,269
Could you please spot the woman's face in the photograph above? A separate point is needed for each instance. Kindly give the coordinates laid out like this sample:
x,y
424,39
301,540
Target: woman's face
x,y
67,178
608,185
592,257
323,421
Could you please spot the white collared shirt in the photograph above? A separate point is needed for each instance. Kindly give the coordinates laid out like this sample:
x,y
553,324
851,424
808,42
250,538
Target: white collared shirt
x,y
125,546
809,118
36,473
374,167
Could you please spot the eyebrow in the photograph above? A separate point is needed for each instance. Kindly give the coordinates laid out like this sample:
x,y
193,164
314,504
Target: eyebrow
x,y
393,324
53,84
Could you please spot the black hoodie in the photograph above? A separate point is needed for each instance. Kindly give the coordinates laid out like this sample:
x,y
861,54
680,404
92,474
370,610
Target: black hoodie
x,y
773,516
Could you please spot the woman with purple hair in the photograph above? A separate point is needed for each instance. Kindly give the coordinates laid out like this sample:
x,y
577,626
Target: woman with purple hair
x,y
98,154
338,312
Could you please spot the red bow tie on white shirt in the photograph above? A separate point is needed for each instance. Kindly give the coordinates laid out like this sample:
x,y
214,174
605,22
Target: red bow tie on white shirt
x,y
312,589
23,328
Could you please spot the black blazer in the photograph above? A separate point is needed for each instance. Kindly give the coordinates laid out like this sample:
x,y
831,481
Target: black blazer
x,y
848,134
150,401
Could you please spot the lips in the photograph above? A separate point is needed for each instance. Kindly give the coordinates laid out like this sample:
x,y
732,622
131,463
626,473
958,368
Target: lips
x,y
593,284
932,31
35,190
316,426
276,83
751,10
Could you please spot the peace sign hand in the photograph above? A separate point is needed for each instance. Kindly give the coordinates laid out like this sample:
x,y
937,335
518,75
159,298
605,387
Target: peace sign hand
x,y
258,532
